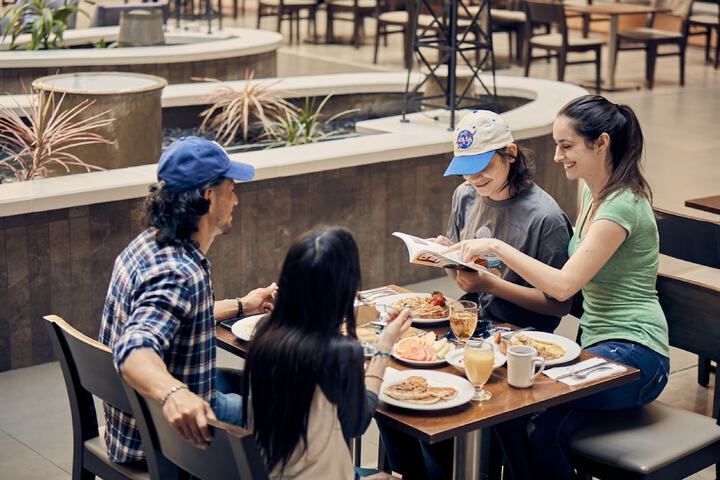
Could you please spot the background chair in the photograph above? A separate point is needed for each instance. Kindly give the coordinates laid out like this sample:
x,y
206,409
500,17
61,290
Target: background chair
x,y
88,370
232,453
391,18
354,11
704,23
698,241
509,17
290,10
649,39
558,44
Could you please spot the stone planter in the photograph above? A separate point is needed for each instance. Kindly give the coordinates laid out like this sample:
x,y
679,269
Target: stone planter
x,y
134,103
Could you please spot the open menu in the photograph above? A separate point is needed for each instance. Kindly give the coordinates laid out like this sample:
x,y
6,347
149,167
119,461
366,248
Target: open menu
x,y
425,252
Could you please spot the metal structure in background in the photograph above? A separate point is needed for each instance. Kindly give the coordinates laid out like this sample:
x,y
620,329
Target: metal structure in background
x,y
461,35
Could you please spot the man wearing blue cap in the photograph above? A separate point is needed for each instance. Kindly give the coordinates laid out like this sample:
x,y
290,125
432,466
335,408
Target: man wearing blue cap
x,y
159,315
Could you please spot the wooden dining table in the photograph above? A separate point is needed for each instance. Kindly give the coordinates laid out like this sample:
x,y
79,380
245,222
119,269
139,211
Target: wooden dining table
x,y
464,424
707,204
614,11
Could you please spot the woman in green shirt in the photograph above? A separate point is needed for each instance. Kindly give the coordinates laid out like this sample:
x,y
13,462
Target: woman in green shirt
x,y
614,260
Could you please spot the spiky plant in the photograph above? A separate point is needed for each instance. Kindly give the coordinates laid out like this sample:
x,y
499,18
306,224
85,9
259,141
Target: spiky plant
x,y
305,125
233,111
31,150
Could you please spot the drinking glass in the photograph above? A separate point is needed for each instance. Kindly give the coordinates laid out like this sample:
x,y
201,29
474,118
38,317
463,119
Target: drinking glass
x,y
463,319
479,360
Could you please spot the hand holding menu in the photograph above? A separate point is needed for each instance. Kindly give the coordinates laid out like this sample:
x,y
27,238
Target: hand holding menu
x,y
425,252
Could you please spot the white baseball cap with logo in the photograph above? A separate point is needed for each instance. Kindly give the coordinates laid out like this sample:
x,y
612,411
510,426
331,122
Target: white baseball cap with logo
x,y
476,138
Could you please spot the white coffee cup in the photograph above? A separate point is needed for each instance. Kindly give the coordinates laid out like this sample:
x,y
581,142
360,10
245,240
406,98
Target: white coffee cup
x,y
521,363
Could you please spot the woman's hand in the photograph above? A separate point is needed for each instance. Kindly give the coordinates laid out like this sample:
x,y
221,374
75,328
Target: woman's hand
x,y
470,250
394,329
441,240
475,282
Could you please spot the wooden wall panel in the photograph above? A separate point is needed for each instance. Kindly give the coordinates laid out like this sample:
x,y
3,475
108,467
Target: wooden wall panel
x,y
18,292
38,249
4,319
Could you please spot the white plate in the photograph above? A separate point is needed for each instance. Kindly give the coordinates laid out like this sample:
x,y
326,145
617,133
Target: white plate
x,y
384,302
572,349
435,379
416,363
456,358
245,327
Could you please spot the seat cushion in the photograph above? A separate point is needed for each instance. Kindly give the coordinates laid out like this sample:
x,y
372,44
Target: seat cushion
x,y
645,34
427,20
400,17
97,447
705,19
554,40
508,16
366,4
647,439
290,3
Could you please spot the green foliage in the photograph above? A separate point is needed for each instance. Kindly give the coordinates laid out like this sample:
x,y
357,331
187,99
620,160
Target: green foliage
x,y
304,125
232,111
45,24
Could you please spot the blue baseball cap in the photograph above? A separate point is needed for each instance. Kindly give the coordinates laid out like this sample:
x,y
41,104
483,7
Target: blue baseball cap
x,y
193,162
477,136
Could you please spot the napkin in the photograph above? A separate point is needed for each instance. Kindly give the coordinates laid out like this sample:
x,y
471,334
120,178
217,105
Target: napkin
x,y
597,374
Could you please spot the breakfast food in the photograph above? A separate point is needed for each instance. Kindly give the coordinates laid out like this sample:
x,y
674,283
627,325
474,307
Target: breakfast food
x,y
422,348
547,350
427,307
416,389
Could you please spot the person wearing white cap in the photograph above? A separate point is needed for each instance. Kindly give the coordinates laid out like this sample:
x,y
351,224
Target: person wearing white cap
x,y
498,199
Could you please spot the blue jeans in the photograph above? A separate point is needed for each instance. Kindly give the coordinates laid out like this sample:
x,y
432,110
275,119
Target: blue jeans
x,y
535,446
228,405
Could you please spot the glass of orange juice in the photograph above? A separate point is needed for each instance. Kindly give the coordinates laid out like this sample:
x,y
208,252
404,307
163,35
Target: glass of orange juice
x,y
463,319
479,359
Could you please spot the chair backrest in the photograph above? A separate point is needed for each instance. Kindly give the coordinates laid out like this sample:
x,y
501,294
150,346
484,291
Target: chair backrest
x,y
687,238
547,13
692,310
88,369
108,15
232,453
680,8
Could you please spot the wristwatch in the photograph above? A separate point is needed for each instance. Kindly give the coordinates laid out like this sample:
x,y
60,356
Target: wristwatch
x,y
240,312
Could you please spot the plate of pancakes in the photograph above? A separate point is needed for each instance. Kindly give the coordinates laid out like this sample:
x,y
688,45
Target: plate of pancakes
x,y
425,390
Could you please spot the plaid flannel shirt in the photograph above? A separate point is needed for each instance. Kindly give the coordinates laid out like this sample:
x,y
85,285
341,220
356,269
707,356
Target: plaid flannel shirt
x,y
161,299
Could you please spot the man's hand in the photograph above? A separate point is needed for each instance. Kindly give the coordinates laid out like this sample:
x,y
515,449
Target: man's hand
x,y
475,281
260,300
188,414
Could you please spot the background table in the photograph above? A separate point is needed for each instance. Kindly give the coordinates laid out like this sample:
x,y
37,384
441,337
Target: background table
x,y
707,204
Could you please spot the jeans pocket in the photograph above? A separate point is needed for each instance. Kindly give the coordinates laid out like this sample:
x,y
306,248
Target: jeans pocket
x,y
653,387
621,352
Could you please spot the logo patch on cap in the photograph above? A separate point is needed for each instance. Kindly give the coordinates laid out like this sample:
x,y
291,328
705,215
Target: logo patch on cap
x,y
465,139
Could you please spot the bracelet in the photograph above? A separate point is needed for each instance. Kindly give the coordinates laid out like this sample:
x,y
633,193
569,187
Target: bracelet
x,y
374,376
380,353
170,392
240,311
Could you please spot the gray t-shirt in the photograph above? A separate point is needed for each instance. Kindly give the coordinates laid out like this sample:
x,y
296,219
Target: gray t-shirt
x,y
533,223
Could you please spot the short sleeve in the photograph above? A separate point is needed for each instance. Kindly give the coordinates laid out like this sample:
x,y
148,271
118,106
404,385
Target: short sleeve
x,y
554,240
620,208
454,227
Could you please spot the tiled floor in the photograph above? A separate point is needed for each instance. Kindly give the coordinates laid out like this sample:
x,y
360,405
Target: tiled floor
x,y
681,134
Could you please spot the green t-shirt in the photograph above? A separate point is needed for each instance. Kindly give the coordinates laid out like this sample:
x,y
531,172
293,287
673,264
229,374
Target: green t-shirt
x,y
620,300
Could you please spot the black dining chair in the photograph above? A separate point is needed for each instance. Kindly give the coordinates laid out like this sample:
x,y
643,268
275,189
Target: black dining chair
x,y
559,44
88,370
232,453
695,240
705,23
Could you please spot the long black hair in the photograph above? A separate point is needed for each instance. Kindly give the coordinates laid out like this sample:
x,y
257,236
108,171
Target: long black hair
x,y
593,115
318,283
175,215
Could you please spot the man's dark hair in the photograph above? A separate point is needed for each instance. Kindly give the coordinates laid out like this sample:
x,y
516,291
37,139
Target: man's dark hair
x,y
174,216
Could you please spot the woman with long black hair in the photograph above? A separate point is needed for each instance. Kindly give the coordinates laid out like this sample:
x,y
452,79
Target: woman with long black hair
x,y
309,391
